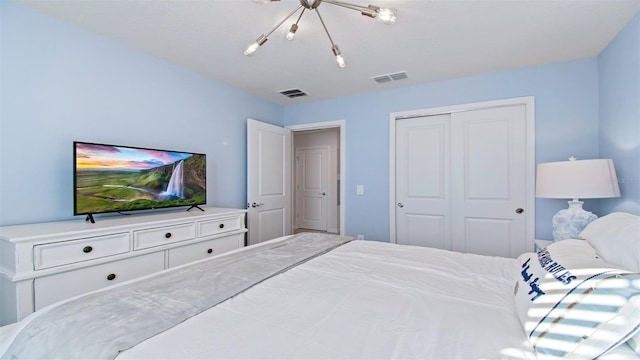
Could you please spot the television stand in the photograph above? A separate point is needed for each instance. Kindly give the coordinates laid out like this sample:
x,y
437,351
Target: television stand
x,y
60,260
90,218
195,206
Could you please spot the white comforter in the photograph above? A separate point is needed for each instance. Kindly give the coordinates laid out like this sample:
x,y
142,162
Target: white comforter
x,y
364,300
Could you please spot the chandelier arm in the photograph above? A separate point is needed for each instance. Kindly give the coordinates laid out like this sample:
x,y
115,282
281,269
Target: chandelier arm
x,y
348,5
334,48
325,27
283,20
294,27
301,13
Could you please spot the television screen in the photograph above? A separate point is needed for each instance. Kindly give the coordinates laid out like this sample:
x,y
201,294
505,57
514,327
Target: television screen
x,y
111,178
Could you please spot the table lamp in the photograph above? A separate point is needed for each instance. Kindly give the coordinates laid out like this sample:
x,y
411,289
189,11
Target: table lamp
x,y
575,179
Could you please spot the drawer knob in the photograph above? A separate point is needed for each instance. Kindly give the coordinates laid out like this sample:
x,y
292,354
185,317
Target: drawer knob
x,y
111,277
167,235
87,249
221,226
209,251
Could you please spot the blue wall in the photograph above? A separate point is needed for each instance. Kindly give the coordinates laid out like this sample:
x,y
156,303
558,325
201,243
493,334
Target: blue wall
x,y
586,108
566,98
60,83
619,71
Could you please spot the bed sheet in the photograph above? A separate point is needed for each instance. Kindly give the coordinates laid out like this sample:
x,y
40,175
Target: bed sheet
x,y
135,311
364,300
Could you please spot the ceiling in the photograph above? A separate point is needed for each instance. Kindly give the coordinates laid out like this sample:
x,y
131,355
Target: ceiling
x,y
432,40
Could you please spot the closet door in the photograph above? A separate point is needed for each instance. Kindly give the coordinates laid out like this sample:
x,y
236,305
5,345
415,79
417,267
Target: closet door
x,y
488,153
461,181
423,181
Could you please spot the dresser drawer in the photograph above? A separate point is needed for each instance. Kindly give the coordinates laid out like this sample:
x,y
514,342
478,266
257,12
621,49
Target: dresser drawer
x,y
201,250
49,289
69,252
163,235
213,227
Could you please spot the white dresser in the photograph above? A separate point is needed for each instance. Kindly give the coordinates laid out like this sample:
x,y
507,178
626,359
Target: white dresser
x,y
47,262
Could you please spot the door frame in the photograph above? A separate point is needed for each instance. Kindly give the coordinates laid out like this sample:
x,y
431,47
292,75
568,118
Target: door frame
x,y
340,124
527,101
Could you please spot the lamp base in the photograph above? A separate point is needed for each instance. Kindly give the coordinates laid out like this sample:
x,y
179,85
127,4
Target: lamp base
x,y
568,223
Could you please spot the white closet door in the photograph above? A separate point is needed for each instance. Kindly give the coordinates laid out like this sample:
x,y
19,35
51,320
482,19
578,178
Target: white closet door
x,y
461,181
423,181
489,181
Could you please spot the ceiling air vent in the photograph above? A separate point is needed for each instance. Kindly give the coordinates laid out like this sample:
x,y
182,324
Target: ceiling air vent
x,y
293,93
381,79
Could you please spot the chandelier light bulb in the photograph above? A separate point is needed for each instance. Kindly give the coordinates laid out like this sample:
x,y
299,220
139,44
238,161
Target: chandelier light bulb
x,y
387,16
255,45
292,32
251,49
339,59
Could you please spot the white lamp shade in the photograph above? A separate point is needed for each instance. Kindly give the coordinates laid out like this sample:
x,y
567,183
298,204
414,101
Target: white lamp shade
x,y
577,179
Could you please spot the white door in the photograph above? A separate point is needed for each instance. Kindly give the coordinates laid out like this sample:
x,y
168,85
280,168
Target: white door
x,y
461,181
268,181
488,151
423,181
312,185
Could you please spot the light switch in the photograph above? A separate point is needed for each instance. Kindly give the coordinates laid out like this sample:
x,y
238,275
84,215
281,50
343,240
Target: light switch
x,y
360,189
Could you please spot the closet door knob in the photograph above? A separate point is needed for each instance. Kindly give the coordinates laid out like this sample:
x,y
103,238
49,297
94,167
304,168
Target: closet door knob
x,y
221,226
87,249
519,210
167,235
111,277
209,251
400,205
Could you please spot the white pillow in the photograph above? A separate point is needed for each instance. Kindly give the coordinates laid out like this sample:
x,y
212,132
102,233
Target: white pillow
x,y
577,251
634,343
616,238
572,304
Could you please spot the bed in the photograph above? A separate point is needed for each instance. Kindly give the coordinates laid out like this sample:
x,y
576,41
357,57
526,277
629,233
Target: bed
x,y
331,297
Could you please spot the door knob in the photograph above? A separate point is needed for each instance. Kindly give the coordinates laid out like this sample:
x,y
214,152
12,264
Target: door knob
x,y
400,205
519,210
323,193
256,204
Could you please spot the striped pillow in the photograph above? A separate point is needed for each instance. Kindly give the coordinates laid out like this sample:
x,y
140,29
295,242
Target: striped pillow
x,y
573,304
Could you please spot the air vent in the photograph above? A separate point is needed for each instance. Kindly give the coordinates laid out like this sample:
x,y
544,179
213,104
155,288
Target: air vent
x,y
293,93
381,79
399,76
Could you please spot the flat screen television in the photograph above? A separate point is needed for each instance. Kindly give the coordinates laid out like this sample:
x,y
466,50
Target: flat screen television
x,y
114,178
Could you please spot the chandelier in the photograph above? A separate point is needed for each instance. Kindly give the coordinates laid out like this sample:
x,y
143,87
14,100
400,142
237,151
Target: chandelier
x,y
384,15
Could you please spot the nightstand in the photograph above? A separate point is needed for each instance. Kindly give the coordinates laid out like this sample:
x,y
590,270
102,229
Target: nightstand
x,y
541,244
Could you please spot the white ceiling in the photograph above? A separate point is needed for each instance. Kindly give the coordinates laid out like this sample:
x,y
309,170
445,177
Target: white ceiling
x,y
432,40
